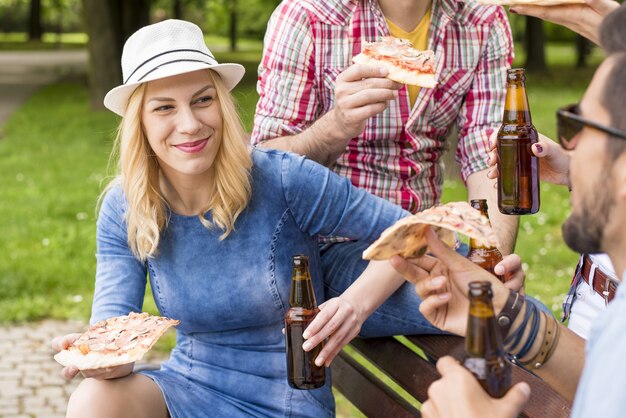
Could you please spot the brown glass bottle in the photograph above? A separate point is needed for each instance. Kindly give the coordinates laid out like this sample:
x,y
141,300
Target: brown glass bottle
x,y
483,345
302,373
518,178
481,253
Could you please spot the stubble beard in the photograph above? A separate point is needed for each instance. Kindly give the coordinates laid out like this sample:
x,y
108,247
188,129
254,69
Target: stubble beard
x,y
583,230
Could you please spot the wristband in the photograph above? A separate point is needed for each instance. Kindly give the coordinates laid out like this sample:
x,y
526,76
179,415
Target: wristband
x,y
509,313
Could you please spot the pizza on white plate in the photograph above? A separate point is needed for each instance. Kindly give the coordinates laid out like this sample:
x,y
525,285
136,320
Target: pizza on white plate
x,y
407,236
115,341
405,64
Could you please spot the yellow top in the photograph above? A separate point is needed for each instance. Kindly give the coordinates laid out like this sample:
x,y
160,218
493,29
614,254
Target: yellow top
x,y
419,39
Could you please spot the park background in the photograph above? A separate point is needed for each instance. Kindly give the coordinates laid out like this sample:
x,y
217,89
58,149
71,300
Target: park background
x,y
54,149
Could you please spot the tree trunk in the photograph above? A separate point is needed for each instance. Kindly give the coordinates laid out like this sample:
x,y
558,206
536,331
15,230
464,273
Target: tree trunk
x,y
34,24
178,9
233,25
583,50
535,45
108,24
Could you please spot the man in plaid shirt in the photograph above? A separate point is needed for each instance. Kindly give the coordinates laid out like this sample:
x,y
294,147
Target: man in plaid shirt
x,y
386,137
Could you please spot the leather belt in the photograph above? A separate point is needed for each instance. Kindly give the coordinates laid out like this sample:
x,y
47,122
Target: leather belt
x,y
603,285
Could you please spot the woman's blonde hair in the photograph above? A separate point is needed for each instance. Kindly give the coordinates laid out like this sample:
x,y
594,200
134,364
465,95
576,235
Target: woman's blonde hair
x,y
138,173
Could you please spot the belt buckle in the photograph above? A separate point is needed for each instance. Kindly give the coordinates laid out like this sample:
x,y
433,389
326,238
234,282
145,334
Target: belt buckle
x,y
606,292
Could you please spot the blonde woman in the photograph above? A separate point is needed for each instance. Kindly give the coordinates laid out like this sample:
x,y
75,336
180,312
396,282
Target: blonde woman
x,y
214,224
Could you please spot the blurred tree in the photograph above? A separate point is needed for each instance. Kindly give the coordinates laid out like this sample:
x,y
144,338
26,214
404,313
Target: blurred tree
x,y
35,29
535,45
232,32
108,24
178,9
583,49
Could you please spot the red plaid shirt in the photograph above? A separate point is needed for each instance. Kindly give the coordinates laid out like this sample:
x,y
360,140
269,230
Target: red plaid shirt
x,y
398,155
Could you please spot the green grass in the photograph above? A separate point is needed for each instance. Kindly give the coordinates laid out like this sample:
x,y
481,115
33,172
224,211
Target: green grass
x,y
54,153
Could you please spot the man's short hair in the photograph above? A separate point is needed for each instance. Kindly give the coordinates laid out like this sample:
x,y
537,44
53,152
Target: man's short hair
x,y
613,31
614,101
613,41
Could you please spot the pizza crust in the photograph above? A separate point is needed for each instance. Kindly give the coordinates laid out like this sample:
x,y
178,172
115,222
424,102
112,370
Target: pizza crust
x,y
92,360
397,73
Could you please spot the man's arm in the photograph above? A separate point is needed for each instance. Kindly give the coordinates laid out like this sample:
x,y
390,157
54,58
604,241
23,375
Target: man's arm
x,y
479,116
479,186
581,18
445,305
361,92
291,115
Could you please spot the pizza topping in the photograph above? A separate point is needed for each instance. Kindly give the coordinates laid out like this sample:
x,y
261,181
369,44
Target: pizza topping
x,y
407,236
121,340
400,52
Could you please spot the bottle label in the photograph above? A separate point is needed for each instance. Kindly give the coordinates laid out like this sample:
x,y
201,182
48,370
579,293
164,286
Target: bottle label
x,y
476,365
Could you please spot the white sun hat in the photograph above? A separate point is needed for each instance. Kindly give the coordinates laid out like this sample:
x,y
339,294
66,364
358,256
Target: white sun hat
x,y
162,50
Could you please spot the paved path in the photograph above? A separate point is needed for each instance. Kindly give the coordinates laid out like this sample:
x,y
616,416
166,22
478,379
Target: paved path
x,y
23,72
30,382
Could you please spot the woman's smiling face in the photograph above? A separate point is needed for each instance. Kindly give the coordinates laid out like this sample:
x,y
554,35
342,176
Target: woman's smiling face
x,y
182,120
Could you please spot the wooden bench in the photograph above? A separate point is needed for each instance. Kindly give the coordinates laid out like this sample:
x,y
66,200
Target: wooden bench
x,y
407,364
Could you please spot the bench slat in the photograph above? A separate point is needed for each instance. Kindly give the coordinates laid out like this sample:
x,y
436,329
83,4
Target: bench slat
x,y
367,392
401,364
545,401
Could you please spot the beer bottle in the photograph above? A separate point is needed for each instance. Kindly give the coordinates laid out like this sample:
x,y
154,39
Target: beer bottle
x,y
518,178
483,345
302,373
482,253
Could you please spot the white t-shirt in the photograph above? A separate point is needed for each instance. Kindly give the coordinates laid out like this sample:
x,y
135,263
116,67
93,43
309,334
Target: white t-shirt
x,y
588,304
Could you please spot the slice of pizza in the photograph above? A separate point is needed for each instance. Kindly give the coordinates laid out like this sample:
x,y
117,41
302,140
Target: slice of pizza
x,y
115,341
529,2
405,64
407,236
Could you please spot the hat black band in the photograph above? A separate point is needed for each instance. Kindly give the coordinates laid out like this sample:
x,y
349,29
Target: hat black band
x,y
164,53
170,62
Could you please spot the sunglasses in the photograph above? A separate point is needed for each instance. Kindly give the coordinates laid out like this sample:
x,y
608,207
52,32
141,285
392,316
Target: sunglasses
x,y
569,123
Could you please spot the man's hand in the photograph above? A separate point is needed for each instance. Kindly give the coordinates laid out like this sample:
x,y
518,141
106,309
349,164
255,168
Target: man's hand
x,y
581,18
553,159
361,92
69,372
443,283
458,394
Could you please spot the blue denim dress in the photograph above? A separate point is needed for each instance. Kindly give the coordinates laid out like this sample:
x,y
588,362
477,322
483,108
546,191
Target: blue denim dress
x,y
231,295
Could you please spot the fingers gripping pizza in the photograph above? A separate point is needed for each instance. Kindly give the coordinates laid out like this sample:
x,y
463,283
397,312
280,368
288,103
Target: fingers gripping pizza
x,y
115,341
405,64
407,236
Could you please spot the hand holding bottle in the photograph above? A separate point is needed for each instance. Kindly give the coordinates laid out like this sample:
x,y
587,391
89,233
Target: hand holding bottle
x,y
458,395
338,321
553,160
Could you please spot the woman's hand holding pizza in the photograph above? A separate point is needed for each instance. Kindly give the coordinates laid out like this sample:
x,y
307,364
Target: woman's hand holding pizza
x,y
581,18
442,283
69,372
340,321
553,160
